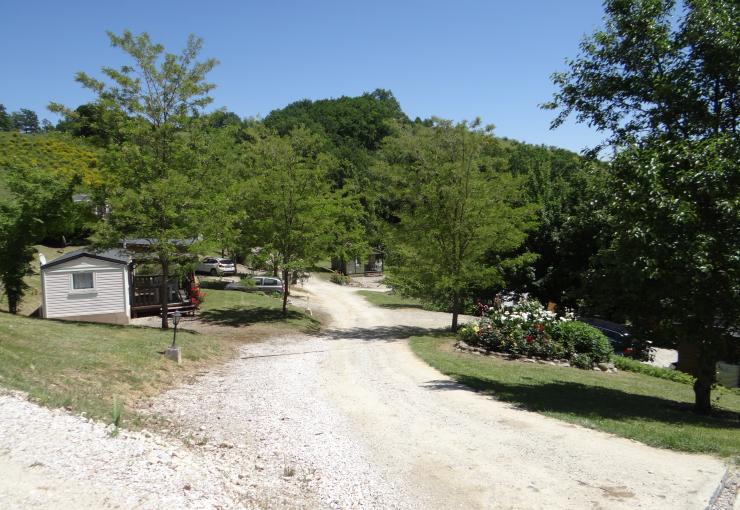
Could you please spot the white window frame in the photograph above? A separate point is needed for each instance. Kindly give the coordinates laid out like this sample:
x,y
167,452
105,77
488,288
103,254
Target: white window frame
x,y
88,290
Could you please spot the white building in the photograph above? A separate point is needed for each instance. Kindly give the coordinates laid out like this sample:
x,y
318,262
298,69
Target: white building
x,y
87,285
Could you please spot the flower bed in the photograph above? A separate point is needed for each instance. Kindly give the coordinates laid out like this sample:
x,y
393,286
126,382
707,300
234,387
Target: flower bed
x,y
528,330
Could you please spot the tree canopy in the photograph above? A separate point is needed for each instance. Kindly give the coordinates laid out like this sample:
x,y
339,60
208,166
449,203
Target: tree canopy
x,y
663,85
152,167
458,217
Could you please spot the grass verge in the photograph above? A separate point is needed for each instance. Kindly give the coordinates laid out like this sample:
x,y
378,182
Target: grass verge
x,y
102,370
654,411
392,300
237,309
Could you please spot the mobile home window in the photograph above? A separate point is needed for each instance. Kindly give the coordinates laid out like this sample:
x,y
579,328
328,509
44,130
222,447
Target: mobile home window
x,y
82,281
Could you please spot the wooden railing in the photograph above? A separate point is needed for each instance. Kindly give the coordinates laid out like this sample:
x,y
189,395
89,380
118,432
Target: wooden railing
x,y
146,291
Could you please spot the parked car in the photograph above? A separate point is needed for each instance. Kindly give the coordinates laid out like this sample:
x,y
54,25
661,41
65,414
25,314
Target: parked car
x,y
215,266
261,284
621,339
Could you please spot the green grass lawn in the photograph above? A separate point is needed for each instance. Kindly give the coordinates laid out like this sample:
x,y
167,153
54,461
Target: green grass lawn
x,y
236,309
637,406
392,300
87,367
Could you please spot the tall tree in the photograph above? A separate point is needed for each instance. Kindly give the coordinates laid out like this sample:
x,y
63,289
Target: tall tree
x,y
295,212
25,121
458,218
665,86
152,167
34,201
6,122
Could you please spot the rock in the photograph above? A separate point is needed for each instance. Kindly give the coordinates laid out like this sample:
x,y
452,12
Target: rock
x,y
603,366
174,354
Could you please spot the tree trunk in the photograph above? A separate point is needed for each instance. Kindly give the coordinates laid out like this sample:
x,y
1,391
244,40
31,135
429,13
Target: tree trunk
x,y
12,302
455,312
286,288
163,291
705,377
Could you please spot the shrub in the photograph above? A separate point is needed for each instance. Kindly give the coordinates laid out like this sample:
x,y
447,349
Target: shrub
x,y
580,338
247,281
339,279
623,363
527,329
582,360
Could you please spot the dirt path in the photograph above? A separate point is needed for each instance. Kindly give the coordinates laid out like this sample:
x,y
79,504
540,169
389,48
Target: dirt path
x,y
353,419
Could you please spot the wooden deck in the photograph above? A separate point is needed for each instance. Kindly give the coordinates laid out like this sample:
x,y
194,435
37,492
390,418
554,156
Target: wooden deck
x,y
146,296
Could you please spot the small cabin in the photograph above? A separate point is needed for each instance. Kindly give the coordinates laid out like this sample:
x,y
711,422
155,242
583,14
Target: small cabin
x,y
87,285
101,286
371,266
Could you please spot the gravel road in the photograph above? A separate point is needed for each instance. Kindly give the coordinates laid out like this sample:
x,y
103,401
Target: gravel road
x,y
348,419
352,419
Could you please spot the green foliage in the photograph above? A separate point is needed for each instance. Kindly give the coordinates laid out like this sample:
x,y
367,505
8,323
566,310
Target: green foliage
x,y
36,202
340,279
666,89
6,123
582,360
527,329
457,218
624,363
582,338
347,121
25,121
60,155
152,161
294,212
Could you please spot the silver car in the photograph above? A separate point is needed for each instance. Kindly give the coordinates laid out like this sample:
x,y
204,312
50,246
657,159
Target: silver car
x,y
215,266
261,284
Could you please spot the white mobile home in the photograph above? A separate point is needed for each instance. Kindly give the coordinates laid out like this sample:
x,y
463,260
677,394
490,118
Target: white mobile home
x,y
87,285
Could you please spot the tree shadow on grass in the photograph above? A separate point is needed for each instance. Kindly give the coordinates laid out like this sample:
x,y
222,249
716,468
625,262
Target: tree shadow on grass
x,y
590,402
237,317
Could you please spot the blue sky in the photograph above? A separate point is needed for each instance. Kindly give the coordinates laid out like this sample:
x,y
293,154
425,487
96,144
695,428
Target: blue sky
x,y
455,59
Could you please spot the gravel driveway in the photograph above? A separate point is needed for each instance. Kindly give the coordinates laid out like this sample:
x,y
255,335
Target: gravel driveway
x,y
352,419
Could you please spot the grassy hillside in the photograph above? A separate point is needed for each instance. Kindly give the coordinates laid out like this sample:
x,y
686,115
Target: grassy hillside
x,y
55,152
94,368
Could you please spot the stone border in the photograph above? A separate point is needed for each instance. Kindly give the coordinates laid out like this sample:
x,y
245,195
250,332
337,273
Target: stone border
x,y
461,346
726,493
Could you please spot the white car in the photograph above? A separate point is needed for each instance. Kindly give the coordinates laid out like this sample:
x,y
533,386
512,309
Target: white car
x,y
215,266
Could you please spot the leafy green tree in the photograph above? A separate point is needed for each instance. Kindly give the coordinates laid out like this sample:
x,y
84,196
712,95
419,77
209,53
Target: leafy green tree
x,y
151,165
458,219
6,122
354,128
295,213
25,121
35,200
98,123
664,85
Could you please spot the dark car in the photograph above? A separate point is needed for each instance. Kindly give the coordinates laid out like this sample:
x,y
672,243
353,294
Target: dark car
x,y
620,337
